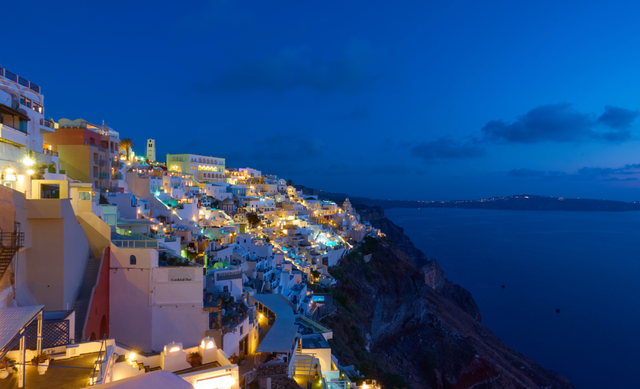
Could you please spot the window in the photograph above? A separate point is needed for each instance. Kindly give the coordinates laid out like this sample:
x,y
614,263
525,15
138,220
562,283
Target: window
x,y
49,191
241,330
25,101
132,260
85,195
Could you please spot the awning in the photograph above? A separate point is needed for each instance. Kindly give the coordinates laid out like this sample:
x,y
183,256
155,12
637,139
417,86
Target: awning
x,y
283,332
13,320
11,111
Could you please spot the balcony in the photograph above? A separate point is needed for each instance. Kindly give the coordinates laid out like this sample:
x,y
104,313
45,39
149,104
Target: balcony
x,y
117,176
126,239
47,124
50,152
19,80
13,135
104,175
99,162
103,149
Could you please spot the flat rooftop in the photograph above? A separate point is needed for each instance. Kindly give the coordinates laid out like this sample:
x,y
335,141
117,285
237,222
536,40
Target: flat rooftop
x,y
314,341
64,373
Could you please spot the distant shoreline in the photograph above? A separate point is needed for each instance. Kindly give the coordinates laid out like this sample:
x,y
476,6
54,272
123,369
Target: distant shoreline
x,y
523,202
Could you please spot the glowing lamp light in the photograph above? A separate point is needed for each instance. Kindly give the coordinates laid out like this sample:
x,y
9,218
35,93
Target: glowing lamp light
x,y
28,161
131,356
30,172
8,170
215,382
174,349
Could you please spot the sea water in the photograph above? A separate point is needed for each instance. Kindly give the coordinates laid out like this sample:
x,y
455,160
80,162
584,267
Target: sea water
x,y
586,264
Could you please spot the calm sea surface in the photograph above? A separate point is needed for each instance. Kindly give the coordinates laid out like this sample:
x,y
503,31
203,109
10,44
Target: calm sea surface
x,y
587,264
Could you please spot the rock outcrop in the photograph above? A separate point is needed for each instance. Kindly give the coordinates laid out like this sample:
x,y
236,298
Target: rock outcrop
x,y
400,321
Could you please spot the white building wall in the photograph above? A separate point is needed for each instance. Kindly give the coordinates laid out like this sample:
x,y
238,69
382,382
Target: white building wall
x,y
186,323
130,316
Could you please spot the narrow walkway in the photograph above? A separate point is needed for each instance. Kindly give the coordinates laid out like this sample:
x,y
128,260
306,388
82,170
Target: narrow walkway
x,y
81,305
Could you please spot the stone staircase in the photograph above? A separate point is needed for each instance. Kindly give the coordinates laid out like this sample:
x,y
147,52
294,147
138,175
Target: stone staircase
x,y
305,365
138,365
81,305
10,243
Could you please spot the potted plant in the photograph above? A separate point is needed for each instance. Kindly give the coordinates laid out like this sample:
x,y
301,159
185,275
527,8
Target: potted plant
x,y
7,365
233,359
42,361
195,359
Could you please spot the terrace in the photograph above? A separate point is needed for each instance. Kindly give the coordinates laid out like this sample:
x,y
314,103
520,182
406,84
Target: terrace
x,y
4,73
31,363
127,239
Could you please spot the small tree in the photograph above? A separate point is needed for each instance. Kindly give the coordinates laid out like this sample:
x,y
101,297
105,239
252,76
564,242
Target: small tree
x,y
253,219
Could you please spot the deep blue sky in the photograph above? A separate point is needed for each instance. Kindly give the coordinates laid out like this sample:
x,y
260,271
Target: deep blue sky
x,y
408,100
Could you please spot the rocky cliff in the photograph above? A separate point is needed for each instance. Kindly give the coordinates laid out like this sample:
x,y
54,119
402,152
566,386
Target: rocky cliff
x,y
400,320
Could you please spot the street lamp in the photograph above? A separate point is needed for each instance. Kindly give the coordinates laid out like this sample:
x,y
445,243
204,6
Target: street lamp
x,y
28,161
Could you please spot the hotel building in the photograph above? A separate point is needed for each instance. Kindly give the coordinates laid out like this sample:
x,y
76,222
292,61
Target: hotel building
x,y
202,167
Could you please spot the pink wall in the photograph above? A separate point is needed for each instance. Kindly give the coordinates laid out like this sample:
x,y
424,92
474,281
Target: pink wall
x,y
99,307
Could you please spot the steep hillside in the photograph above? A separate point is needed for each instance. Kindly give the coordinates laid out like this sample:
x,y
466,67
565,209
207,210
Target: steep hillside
x,y
401,321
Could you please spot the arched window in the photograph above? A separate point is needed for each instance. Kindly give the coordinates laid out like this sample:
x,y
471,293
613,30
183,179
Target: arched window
x,y
132,260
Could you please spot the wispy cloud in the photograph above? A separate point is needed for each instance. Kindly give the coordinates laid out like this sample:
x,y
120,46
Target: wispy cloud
x,y
447,148
629,172
551,123
562,123
298,67
618,118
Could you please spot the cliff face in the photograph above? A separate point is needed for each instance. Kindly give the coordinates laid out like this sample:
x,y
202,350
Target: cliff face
x,y
401,321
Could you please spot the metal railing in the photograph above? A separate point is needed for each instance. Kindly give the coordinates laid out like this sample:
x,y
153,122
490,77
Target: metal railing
x,y
135,244
50,152
12,239
96,370
15,78
119,239
46,123
87,143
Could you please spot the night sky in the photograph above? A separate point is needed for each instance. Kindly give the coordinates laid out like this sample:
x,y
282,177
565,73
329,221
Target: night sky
x,y
406,100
